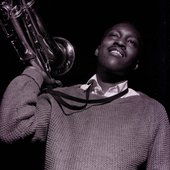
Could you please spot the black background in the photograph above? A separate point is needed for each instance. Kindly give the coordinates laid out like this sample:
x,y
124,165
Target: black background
x,y
82,23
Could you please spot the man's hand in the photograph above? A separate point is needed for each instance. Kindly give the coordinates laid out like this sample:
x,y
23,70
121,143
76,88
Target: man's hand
x,y
47,79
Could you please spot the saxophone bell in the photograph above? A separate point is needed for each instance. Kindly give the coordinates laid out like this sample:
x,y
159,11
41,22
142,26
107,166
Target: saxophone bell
x,y
63,62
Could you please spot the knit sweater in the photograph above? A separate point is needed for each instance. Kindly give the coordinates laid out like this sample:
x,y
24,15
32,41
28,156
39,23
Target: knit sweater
x,y
119,135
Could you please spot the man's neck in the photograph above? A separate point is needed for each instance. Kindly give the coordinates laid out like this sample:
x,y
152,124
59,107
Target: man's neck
x,y
107,81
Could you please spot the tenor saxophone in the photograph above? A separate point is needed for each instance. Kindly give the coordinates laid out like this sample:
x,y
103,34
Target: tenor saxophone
x,y
23,27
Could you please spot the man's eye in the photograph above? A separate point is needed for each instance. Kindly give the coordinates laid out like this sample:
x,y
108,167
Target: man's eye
x,y
132,43
114,35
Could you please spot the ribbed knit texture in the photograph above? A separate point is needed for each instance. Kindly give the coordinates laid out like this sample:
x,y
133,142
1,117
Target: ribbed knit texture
x,y
120,135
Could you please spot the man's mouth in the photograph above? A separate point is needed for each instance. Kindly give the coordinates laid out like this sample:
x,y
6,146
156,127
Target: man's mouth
x,y
116,53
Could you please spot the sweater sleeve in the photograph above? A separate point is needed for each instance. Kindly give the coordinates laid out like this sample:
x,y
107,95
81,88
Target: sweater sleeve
x,y
159,155
21,111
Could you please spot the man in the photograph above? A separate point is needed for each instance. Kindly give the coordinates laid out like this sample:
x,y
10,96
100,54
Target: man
x,y
99,125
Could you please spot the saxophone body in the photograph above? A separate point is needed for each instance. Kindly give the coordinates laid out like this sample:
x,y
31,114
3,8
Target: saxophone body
x,y
23,27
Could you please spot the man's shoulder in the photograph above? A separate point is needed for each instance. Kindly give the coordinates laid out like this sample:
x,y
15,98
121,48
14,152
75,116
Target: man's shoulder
x,y
150,100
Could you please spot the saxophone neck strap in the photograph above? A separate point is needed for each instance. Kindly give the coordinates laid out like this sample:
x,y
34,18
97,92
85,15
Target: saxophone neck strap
x,y
60,96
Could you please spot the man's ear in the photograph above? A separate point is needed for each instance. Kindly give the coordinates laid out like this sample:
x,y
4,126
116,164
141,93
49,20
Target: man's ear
x,y
136,66
97,51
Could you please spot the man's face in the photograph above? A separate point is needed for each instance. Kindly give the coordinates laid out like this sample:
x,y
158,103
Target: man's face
x,y
119,48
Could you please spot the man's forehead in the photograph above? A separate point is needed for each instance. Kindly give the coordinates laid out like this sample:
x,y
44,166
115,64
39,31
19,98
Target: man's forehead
x,y
125,26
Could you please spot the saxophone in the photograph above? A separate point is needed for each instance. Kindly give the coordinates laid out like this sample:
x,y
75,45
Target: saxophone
x,y
22,26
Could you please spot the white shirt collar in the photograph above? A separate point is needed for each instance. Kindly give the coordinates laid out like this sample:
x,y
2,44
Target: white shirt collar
x,y
110,92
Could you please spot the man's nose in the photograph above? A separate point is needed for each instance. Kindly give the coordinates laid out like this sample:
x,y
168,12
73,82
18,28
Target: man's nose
x,y
120,42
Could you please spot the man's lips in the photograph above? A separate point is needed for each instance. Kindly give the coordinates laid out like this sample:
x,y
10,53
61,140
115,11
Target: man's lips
x,y
116,52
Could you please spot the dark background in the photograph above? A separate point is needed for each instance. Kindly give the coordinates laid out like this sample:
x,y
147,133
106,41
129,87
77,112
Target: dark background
x,y
83,23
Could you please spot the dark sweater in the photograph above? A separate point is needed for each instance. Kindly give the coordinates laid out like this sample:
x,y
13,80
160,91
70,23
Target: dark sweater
x,y
120,135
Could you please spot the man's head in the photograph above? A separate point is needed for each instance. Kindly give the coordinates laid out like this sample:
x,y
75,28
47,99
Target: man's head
x,y
119,49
